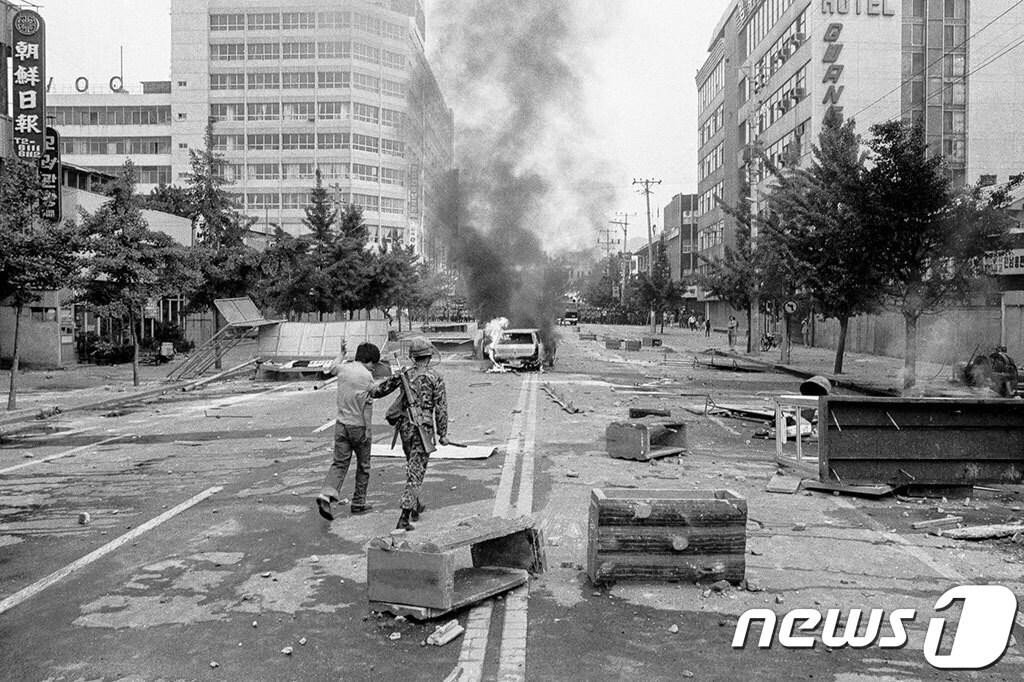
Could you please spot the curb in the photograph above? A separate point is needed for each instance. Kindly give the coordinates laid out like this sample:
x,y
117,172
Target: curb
x,y
804,374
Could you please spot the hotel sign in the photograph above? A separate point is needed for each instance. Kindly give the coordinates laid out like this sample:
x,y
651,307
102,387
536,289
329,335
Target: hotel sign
x,y
29,84
881,7
833,70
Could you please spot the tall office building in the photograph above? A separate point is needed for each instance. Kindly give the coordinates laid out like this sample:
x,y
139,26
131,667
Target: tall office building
x,y
776,67
342,86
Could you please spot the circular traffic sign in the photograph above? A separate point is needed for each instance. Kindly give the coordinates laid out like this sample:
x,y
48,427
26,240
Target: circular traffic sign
x,y
790,307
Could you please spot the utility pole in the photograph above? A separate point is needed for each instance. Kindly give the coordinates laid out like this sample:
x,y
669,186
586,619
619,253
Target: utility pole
x,y
624,224
647,182
606,241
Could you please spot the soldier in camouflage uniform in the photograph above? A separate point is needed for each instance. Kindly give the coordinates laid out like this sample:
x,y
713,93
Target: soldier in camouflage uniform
x,y
430,396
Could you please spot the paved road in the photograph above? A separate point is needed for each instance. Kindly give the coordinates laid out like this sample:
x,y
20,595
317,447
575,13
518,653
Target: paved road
x,y
203,546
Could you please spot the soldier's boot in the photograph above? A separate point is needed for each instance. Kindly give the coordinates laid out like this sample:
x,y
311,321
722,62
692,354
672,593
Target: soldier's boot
x,y
403,521
415,513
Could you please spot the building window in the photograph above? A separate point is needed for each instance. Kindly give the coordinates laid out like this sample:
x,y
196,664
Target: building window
x,y
389,205
182,84
391,118
335,49
182,115
227,52
392,176
365,143
298,111
227,81
264,51
298,80
366,24
954,65
913,8
262,200
332,79
367,202
365,113
334,171
956,9
333,140
298,50
361,81
298,21
330,111
292,141
263,142
954,94
393,88
294,200
228,143
263,111
361,171
335,19
298,171
264,22
392,147
227,22
954,122
393,31
264,81
366,53
393,60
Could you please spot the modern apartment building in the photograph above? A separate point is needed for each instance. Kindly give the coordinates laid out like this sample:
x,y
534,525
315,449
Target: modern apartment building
x,y
776,67
342,86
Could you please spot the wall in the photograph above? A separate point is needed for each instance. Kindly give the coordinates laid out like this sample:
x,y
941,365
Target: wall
x,y
946,338
39,341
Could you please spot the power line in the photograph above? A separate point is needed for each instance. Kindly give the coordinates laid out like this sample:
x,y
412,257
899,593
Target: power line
x,y
925,68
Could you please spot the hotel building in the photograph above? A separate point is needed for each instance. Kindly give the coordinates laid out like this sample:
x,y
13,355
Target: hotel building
x,y
776,67
339,86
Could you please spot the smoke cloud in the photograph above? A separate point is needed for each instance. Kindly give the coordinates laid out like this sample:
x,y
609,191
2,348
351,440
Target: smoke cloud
x,y
513,74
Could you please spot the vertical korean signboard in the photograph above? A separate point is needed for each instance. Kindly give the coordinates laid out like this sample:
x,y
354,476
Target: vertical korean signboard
x,y
29,84
49,177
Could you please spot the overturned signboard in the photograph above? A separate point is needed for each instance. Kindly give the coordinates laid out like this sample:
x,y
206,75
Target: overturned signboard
x,y
920,441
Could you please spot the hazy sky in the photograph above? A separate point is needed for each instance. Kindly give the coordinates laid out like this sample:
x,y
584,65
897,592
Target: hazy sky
x,y
641,97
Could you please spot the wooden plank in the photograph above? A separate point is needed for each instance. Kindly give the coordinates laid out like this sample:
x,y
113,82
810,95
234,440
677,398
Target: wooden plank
x,y
672,540
932,472
781,483
927,444
1000,530
937,523
408,577
713,513
860,490
612,567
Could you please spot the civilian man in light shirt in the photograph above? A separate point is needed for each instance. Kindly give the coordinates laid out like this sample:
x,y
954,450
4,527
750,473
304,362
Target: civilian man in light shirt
x,y
356,391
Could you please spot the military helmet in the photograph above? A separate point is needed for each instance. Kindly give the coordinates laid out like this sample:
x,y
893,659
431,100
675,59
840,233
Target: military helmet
x,y
419,347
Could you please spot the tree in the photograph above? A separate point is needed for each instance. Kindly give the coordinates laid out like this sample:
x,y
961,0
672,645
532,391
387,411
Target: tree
x,y
169,199
659,293
823,227
285,275
348,277
930,244
601,287
35,255
128,264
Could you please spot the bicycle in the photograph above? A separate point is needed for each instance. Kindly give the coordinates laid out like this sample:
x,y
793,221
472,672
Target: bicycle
x,y
768,341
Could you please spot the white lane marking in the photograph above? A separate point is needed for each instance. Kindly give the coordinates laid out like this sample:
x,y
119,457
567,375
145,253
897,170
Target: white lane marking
x,y
474,648
474,642
512,653
58,575
66,453
503,497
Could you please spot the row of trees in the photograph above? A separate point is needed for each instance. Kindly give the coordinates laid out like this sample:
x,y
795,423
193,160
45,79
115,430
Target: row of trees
x,y
861,227
115,264
659,292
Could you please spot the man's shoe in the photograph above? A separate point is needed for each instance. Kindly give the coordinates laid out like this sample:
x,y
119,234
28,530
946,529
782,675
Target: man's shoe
x,y
323,505
414,514
361,508
403,521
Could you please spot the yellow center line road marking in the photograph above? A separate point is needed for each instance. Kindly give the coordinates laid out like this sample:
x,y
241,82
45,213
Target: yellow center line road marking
x,y
66,453
55,577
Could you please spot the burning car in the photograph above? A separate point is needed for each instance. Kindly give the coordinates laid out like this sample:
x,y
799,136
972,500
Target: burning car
x,y
518,348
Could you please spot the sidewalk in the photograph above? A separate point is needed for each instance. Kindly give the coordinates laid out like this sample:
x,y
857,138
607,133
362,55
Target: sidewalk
x,y
872,374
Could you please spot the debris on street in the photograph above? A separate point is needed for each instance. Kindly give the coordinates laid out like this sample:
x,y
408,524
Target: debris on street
x,y
999,530
444,634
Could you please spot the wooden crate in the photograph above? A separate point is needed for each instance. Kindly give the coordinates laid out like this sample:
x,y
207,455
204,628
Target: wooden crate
x,y
645,439
674,535
632,344
613,344
420,577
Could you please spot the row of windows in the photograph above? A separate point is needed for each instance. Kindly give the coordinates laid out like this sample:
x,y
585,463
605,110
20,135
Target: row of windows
x,y
710,163
285,200
337,49
328,171
789,147
144,175
306,80
99,116
954,93
712,125
115,145
763,20
290,141
711,86
305,111
305,21
711,236
780,52
780,102
706,202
